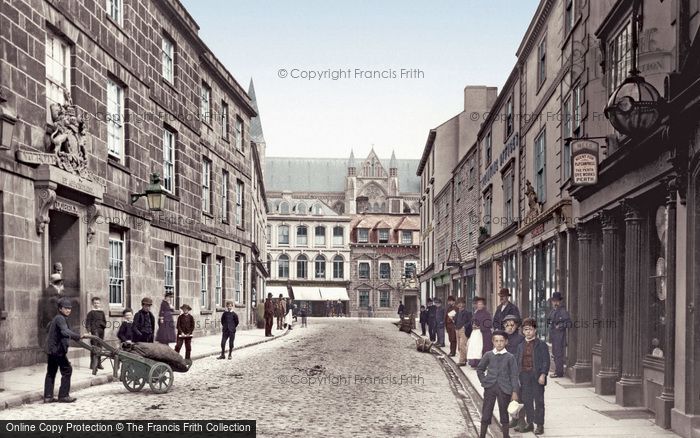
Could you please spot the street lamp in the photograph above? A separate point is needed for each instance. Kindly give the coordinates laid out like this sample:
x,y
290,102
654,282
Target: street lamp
x,y
634,108
155,194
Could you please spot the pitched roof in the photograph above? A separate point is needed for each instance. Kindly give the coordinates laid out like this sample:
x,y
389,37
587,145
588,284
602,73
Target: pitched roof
x,y
326,174
407,224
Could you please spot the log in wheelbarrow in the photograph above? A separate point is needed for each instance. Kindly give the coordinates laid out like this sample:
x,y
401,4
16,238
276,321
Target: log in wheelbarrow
x,y
136,364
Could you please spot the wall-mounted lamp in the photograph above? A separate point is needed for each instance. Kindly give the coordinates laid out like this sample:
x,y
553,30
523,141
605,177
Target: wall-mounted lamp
x,y
155,194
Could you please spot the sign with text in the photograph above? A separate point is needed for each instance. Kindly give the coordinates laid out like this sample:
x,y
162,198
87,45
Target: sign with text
x,y
584,162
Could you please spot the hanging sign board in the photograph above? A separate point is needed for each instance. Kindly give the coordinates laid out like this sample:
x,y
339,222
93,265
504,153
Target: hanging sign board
x,y
584,162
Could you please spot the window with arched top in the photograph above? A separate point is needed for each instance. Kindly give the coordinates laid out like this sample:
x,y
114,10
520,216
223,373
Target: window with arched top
x,y
320,267
338,236
302,266
283,266
338,267
318,209
284,207
302,208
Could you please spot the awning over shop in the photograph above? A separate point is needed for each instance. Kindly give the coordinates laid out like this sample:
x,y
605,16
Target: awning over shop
x,y
334,293
306,293
276,291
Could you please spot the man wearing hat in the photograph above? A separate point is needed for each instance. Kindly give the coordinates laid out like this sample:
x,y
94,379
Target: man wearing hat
x,y
49,302
144,322
57,350
269,313
440,316
504,308
450,315
559,321
431,320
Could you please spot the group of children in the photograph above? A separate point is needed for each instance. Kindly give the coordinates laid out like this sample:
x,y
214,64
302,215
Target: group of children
x,y
134,328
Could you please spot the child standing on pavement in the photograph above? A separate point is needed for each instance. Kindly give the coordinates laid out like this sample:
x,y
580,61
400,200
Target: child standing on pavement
x,y
423,319
498,374
95,322
185,327
303,316
229,322
126,330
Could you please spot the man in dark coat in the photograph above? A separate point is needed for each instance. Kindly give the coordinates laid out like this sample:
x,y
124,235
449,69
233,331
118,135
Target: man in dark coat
x,y
229,322
504,309
432,321
269,314
423,319
401,310
559,321
48,305
450,325
57,350
95,323
533,361
440,316
463,327
515,338
144,322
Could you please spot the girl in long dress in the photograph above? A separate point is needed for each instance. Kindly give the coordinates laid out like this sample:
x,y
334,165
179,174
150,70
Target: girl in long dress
x,y
166,326
482,323
288,317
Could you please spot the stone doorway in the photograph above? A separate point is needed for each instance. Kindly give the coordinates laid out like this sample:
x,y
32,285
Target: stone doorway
x,y
411,305
64,247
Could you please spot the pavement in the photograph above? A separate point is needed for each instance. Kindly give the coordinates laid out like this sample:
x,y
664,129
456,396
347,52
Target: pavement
x,y
575,411
339,377
26,384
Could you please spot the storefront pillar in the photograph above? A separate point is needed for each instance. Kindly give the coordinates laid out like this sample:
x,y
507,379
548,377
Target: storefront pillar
x,y
582,370
665,402
629,390
612,296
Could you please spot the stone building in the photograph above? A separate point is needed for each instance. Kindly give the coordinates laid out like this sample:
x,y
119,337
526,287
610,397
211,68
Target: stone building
x,y
336,192
95,100
449,206
308,252
384,263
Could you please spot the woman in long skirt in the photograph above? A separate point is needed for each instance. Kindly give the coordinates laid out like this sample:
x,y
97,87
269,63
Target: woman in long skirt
x,y
482,323
166,326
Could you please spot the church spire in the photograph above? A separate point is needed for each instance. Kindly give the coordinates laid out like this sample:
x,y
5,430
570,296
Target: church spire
x,y
351,163
256,131
393,165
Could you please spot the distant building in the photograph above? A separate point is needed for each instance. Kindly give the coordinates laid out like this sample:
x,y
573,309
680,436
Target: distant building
x,y
335,193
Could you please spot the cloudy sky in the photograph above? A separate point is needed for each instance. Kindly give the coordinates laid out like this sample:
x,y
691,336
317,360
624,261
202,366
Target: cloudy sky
x,y
441,47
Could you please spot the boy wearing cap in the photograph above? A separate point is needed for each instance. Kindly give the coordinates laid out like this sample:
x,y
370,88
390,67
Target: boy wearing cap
x,y
144,322
185,327
559,321
504,309
533,360
498,374
423,319
229,322
463,326
57,350
515,338
96,322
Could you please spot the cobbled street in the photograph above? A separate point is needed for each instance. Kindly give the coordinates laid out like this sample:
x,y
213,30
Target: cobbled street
x,y
316,381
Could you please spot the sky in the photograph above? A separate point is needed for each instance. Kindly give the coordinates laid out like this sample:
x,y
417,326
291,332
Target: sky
x,y
293,49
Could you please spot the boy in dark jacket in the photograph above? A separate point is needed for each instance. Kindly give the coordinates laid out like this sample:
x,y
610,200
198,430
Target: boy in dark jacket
x,y
57,350
144,322
432,320
126,330
229,322
423,319
498,374
185,327
533,361
95,322
515,338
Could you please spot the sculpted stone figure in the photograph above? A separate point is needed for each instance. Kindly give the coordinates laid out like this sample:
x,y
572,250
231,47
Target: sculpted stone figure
x,y
66,137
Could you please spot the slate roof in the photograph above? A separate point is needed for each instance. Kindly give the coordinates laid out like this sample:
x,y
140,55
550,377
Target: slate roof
x,y
326,174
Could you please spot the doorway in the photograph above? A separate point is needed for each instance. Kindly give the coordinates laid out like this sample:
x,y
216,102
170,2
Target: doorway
x,y
64,247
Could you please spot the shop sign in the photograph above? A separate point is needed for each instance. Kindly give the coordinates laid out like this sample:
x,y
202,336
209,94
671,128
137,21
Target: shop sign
x,y
584,162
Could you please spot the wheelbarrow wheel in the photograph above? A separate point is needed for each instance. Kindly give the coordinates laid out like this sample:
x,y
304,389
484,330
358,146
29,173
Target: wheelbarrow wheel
x,y
160,377
131,378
